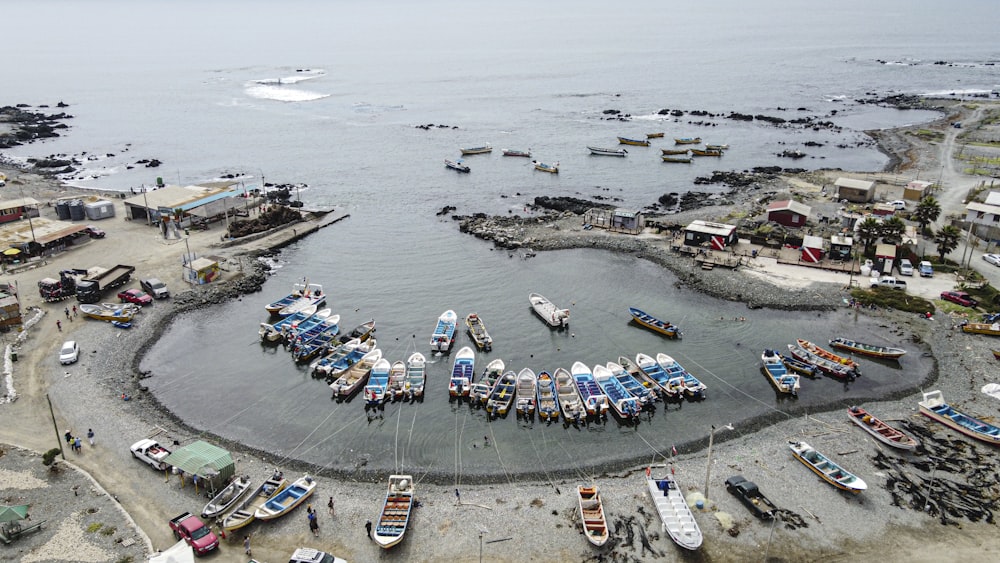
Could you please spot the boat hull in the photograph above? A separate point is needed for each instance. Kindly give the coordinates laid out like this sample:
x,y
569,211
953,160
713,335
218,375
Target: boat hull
x,y
881,431
595,524
655,324
675,514
934,407
826,469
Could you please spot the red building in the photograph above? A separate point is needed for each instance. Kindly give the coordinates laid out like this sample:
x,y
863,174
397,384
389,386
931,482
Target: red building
x,y
789,213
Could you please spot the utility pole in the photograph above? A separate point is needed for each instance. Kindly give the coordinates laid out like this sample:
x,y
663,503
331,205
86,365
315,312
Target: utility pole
x,y
708,470
56,428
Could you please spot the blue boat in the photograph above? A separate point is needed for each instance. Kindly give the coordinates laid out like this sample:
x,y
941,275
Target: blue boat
x,y
594,400
463,371
622,402
378,383
635,388
933,406
343,357
798,366
668,386
502,395
444,333
283,502
777,373
548,399
693,388
290,331
307,349
273,332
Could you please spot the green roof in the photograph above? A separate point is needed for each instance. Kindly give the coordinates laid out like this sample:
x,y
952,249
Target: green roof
x,y
204,460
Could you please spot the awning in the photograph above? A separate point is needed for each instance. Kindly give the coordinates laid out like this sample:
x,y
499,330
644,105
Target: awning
x,y
61,233
12,513
203,459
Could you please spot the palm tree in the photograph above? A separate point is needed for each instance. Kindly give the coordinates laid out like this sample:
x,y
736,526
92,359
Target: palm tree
x,y
868,232
947,240
892,230
927,211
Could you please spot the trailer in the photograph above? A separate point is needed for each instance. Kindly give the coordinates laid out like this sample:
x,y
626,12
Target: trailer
x,y
91,287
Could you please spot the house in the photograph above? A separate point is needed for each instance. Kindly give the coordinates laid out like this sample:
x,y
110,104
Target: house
x,y
190,201
858,191
616,220
14,209
883,209
985,217
917,190
717,235
812,248
840,247
885,255
789,213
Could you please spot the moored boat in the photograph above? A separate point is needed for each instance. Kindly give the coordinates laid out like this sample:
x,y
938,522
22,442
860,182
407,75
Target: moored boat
x,y
356,376
416,375
343,357
570,402
362,332
594,399
705,152
716,147
457,165
547,400
649,321
398,383
545,167
824,365
645,395
481,149
477,330
622,403
934,407
443,337
502,395
312,295
480,391
378,383
595,523
882,431
667,385
675,514
284,502
462,372
548,312
658,135
227,497
674,152
299,290
693,387
687,140
318,341
607,152
800,367
525,389
395,514
777,373
872,350
677,159
512,152
633,142
823,353
246,511
288,332
273,332
826,469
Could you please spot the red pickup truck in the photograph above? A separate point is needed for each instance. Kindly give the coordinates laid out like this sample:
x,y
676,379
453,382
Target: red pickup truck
x,y
192,530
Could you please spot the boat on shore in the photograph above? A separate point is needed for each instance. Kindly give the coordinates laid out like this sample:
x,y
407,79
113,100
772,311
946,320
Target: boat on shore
x,y
547,400
645,395
462,373
482,149
872,350
823,353
989,329
934,407
570,402
677,159
502,396
545,167
457,165
825,365
443,337
246,511
227,497
622,403
477,330
826,469
416,375
687,140
525,391
693,387
882,431
774,368
557,318
480,391
607,152
634,142
356,376
299,291
512,152
655,324
110,312
395,513
284,502
378,383
675,514
594,399
595,523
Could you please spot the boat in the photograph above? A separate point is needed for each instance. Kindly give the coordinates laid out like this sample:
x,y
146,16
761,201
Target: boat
x,y
312,295
378,383
121,324
996,354
668,386
456,165
989,329
502,395
547,402
842,360
477,330
512,152
677,159
544,167
687,140
462,373
882,431
595,524
288,332
272,332
395,514
693,387
398,382
774,368
645,395
717,147
548,312
705,152
482,149
284,502
872,350
444,332
621,401
675,514
655,135
934,407
120,313
356,376
674,152
633,142
343,357
800,367
826,469
319,341
298,291
416,375
570,402
362,332
246,511
607,152
480,391
594,399
824,365
655,324
227,497
525,391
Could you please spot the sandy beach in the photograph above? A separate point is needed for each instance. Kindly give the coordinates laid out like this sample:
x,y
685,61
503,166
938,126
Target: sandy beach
x,y
515,520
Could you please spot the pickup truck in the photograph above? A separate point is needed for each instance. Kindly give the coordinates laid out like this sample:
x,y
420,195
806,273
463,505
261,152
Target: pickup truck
x,y
151,452
154,287
750,495
194,532
888,281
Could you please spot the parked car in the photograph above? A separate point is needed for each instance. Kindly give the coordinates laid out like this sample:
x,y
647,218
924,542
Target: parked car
x,y
992,259
69,353
888,281
905,267
154,287
899,204
194,532
748,493
94,232
960,297
137,296
926,270
151,452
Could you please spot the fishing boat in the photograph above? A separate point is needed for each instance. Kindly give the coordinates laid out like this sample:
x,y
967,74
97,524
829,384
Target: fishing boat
x,y
594,399
800,367
996,354
824,365
622,403
668,386
545,167
480,391
655,324
872,350
285,501
477,330
693,387
687,140
655,135
645,395
122,313
677,159
456,165
882,431
502,395
675,514
633,142
547,400
273,332
525,391
356,376
395,514
312,295
227,497
705,152
416,375
318,341
398,383
989,329
362,332
482,149
444,332
777,373
344,356
299,290
826,469
842,360
311,325
595,524
674,152
934,407
544,308
322,366
607,152
570,402
462,373
246,511
717,147
378,383
512,152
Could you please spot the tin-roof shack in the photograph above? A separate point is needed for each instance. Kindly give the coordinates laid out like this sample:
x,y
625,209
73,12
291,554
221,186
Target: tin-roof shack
x,y
717,235
858,191
789,213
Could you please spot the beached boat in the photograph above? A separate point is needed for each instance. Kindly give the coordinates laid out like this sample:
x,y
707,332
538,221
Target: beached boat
x,y
570,402
655,324
674,152
693,387
548,312
675,514
634,142
705,152
677,159
246,511
512,152
644,394
456,165
502,396
669,386
356,376
395,514
595,524
477,330
658,135
934,407
622,403
882,431
607,152
482,149
824,365
826,469
274,332
525,390
342,358
687,140
547,400
800,367
378,383
996,354
227,497
989,329
416,375
317,341
122,313
480,391
716,147
462,373
823,353
443,337
872,350
777,373
594,399
299,291
284,502
308,327
545,167
398,383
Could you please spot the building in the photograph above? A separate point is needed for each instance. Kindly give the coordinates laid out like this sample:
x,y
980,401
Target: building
x,y
200,202
917,190
812,248
789,213
883,210
885,255
858,191
841,247
716,235
14,209
616,220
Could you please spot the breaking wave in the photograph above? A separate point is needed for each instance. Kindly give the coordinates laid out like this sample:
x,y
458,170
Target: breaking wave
x,y
282,94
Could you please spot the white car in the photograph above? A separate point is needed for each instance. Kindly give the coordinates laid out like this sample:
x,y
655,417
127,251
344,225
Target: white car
x,y
905,267
992,259
69,353
899,204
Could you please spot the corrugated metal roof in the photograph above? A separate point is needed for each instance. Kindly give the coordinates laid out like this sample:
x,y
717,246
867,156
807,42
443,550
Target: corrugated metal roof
x,y
854,184
184,197
19,202
841,241
790,205
985,208
710,228
56,235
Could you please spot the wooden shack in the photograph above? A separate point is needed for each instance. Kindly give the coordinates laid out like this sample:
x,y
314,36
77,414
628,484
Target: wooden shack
x,y
718,236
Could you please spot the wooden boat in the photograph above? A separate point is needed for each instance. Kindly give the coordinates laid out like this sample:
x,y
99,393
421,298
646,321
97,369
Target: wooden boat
x,y
299,291
654,135
378,383
312,295
677,159
826,469
570,402
622,403
457,165
502,395
668,386
547,400
273,332
525,391
462,373
705,152
227,497
674,152
824,365
882,431
595,524
693,387
323,365
777,373
934,407
416,375
633,142
482,149
512,152
318,341
307,327
687,140
395,514
477,330
607,152
544,308
996,354
285,501
246,511
675,514
807,369
594,399
717,147
551,168
872,350
645,395
989,329
356,376
398,383
444,332
343,357
842,360
480,391
655,324
121,313
362,332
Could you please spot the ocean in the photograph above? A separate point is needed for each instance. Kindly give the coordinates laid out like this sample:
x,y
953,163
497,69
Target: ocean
x,y
360,102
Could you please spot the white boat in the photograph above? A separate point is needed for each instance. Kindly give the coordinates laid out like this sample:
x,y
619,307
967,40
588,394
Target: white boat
x,y
462,372
595,524
549,313
525,393
570,401
290,497
356,375
398,383
227,497
272,332
395,514
444,332
246,512
622,402
378,383
777,373
607,152
826,469
675,514
480,392
299,290
289,331
416,375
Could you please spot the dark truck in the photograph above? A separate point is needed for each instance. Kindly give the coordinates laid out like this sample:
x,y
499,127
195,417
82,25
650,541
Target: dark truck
x,y
750,495
194,532
87,285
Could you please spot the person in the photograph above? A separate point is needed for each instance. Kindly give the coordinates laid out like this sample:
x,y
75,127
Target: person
x,y
314,524
69,436
368,528
74,310
458,497
90,436
246,545
67,312
77,444
330,506
59,326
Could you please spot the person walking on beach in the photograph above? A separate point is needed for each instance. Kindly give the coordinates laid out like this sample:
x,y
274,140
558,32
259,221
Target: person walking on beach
x,y
67,313
59,326
74,310
368,528
246,545
313,524
90,436
77,444
458,497
330,506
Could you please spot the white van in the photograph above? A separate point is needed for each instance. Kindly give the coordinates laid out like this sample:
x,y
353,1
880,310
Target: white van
x,y
905,267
